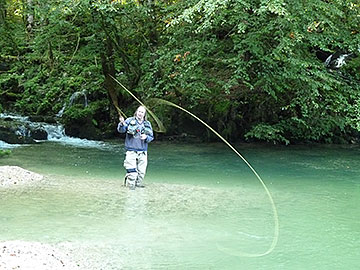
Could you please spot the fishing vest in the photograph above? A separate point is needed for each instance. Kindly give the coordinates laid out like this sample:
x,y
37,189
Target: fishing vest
x,y
135,128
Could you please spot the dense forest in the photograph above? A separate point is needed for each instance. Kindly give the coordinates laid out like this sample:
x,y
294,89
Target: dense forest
x,y
271,70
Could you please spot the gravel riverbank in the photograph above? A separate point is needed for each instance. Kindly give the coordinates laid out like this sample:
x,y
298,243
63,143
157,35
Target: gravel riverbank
x,y
33,255
14,175
29,255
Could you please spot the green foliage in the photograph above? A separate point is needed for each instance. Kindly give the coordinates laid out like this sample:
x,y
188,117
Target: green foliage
x,y
284,91
76,112
269,133
248,68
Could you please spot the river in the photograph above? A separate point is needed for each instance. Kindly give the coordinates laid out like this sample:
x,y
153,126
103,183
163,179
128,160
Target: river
x,y
202,207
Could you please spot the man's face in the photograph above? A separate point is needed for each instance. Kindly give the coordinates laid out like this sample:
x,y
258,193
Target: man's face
x,y
140,113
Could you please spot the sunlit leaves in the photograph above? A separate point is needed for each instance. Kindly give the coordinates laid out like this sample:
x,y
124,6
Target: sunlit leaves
x,y
14,8
277,7
203,11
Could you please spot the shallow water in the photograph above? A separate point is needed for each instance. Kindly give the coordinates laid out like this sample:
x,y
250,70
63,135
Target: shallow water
x,y
198,200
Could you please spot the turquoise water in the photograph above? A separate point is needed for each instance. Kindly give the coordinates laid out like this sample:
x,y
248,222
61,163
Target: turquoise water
x,y
201,208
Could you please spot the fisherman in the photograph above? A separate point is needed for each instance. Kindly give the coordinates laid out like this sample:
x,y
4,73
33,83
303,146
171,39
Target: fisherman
x,y
138,134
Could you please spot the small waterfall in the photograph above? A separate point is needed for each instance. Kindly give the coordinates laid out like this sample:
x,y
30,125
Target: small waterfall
x,y
25,127
79,97
55,133
13,117
23,131
61,112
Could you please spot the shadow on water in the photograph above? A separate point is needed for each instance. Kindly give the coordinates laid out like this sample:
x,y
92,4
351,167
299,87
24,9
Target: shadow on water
x,y
196,197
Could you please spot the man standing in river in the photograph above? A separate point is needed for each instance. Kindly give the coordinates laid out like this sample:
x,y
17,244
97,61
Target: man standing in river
x,y
138,134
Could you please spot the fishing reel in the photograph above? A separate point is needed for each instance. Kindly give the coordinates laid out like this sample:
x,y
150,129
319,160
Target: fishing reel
x,y
147,129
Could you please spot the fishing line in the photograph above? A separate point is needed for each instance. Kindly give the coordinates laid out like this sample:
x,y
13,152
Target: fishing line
x,y
114,100
274,210
275,214
120,112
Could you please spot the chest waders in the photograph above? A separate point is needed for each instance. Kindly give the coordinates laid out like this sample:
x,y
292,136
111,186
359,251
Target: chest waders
x,y
135,162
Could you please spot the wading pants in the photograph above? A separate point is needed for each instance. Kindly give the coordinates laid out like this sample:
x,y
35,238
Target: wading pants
x,y
135,164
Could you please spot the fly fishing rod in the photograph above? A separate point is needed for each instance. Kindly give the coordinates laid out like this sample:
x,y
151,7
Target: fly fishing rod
x,y
273,206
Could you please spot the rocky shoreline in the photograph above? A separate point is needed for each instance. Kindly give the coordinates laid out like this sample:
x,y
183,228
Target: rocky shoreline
x,y
16,176
29,255
33,255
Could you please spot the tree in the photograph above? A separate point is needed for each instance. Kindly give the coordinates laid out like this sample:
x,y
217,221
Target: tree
x,y
254,63
252,69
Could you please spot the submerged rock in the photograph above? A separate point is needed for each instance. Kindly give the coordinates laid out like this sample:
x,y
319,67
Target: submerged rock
x,y
9,135
39,134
